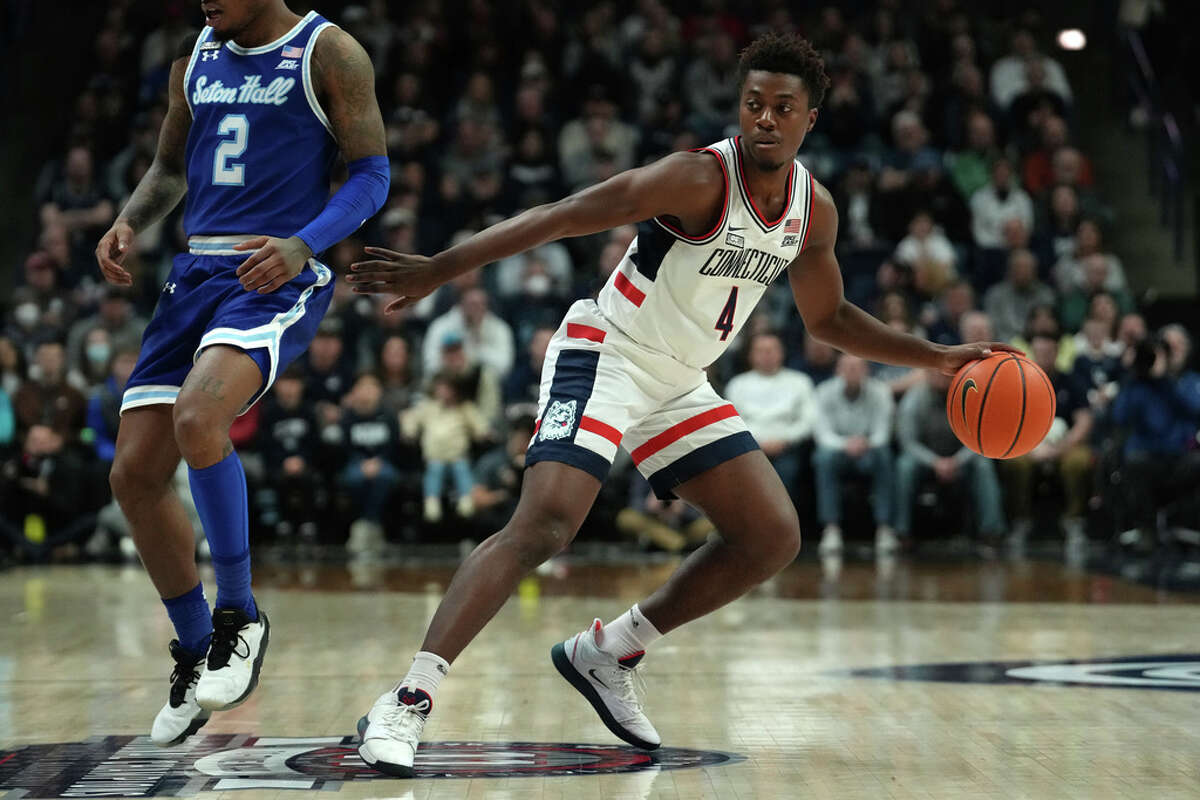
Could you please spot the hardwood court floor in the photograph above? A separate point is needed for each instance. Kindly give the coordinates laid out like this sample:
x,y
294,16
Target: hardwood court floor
x,y
82,654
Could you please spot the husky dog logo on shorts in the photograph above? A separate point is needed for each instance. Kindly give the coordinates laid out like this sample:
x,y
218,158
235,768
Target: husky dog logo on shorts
x,y
559,421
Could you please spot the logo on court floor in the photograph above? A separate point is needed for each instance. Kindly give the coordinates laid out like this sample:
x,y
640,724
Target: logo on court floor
x,y
1170,672
132,766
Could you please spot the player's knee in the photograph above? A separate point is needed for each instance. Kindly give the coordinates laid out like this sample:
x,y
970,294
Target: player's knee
x,y
198,429
130,479
539,536
778,545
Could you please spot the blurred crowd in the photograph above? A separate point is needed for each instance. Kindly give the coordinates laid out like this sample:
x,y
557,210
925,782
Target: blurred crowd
x,y
968,212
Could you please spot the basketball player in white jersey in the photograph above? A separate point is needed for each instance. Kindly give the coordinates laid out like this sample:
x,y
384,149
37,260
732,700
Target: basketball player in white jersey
x,y
715,227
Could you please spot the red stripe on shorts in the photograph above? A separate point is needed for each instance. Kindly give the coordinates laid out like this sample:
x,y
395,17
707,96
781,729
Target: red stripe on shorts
x,y
577,331
625,287
600,429
678,431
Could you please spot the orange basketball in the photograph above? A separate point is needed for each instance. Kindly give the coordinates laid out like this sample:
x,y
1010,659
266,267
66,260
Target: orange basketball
x,y
1001,406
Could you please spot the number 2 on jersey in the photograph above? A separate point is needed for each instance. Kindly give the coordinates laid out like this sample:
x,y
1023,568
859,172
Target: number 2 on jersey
x,y
725,321
225,173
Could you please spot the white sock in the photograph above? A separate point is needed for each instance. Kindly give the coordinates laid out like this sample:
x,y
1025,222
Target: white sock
x,y
629,634
426,673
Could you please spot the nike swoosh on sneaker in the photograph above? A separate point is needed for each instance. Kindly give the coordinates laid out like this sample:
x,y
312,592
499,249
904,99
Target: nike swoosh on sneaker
x,y
732,229
596,678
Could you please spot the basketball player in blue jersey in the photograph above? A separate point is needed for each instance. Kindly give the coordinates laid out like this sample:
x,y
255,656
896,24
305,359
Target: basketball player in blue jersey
x,y
715,227
260,105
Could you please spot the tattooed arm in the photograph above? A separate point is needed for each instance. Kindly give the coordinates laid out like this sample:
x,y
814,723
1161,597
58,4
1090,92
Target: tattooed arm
x,y
163,185
345,85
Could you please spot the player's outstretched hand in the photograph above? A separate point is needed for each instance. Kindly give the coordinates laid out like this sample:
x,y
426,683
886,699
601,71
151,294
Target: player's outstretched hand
x,y
111,252
954,357
273,263
408,276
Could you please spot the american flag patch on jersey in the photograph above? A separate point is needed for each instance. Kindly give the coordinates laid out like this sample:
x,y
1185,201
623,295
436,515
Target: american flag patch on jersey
x,y
292,52
793,225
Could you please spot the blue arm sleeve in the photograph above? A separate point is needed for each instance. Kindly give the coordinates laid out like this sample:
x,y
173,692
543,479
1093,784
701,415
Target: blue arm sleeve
x,y
360,197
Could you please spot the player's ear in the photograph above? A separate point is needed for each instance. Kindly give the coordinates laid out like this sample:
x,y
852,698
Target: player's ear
x,y
812,119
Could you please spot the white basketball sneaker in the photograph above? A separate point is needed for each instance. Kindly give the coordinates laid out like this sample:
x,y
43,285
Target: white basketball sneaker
x,y
608,684
182,715
391,730
234,658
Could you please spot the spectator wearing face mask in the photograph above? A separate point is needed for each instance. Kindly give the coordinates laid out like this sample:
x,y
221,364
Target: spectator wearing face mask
x,y
47,399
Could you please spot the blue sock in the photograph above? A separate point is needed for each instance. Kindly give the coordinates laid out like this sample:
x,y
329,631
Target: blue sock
x,y
192,619
220,495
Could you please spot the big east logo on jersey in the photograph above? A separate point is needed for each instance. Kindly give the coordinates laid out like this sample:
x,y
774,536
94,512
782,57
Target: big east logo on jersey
x,y
251,91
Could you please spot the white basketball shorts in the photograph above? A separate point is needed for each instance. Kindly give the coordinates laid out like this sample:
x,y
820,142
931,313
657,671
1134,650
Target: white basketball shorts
x,y
601,390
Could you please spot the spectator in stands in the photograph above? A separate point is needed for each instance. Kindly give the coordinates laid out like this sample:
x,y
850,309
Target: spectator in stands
x,y
40,307
1160,409
523,384
1068,166
477,382
396,374
816,359
498,474
532,277
291,451
1043,320
1097,366
1037,169
976,326
1033,106
47,399
858,204
116,316
848,114
894,310
79,203
1080,302
654,71
1064,451
928,254
1057,232
942,318
369,436
993,205
596,142
928,446
532,176
44,490
670,525
487,338
91,368
1009,303
1010,73
1069,272
710,83
447,424
8,421
777,405
12,366
327,375
853,429
970,168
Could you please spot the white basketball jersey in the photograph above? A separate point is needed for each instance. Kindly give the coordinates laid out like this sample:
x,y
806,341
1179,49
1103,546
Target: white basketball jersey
x,y
689,296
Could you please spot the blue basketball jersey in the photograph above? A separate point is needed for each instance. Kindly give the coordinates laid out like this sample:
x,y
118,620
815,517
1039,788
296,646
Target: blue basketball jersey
x,y
260,149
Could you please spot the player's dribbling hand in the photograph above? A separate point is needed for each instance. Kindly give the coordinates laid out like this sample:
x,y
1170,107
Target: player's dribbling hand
x,y
411,277
273,263
111,252
955,356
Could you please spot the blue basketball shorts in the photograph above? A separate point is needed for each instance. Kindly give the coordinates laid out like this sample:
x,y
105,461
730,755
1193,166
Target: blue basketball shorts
x,y
203,304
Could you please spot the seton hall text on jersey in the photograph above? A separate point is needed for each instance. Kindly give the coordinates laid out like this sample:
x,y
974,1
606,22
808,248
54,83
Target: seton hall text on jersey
x,y
252,91
750,265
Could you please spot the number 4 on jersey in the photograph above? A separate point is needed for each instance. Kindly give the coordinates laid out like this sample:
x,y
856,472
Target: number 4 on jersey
x,y
725,321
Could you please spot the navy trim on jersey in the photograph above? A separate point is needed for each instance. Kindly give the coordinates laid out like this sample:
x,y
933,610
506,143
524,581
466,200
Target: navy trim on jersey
x,y
574,379
711,235
652,246
571,454
700,460
767,227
